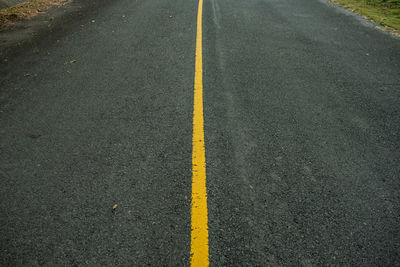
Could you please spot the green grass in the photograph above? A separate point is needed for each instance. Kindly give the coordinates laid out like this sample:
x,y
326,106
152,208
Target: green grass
x,y
384,12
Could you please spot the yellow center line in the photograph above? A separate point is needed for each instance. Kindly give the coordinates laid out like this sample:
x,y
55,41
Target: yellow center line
x,y
199,235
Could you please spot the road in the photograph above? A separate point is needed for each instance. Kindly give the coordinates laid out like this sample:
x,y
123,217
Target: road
x,y
301,133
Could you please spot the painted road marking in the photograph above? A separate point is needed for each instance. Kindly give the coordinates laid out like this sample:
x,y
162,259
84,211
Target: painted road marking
x,y
199,235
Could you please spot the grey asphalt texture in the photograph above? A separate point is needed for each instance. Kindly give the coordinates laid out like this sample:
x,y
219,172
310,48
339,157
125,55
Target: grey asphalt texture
x,y
9,3
302,129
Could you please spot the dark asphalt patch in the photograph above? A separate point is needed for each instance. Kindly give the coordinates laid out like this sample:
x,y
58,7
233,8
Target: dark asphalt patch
x,y
112,128
301,145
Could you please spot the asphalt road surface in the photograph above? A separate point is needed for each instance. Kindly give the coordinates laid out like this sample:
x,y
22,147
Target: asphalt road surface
x,y
301,124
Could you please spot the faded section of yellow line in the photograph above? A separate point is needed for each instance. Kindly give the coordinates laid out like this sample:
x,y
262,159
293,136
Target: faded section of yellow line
x,y
199,235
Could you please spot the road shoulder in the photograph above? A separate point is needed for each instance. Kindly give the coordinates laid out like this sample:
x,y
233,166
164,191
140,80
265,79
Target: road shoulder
x,y
384,17
16,35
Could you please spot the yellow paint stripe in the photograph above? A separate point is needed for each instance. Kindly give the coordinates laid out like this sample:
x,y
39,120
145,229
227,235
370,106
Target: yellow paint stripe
x,y
199,236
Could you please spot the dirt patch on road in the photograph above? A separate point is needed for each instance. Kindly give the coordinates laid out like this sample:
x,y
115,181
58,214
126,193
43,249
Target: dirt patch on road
x,y
26,10
43,23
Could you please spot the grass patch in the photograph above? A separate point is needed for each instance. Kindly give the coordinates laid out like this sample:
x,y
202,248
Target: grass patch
x,y
26,10
383,12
